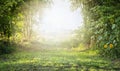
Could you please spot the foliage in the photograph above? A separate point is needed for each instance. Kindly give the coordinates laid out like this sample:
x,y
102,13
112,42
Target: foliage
x,y
6,47
16,18
8,11
102,19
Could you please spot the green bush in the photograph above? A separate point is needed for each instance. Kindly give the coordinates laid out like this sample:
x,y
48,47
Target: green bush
x,y
6,47
102,19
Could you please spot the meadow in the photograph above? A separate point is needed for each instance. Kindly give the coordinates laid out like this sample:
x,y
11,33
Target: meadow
x,y
55,59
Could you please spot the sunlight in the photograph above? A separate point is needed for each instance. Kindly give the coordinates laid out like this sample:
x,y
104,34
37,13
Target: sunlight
x,y
59,21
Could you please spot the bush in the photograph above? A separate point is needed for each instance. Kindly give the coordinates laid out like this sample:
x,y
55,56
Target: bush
x,y
6,47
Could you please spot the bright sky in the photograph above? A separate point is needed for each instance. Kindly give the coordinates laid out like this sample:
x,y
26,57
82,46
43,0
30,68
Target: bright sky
x,y
59,21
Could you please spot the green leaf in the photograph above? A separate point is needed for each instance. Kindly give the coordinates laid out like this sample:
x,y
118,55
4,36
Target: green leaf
x,y
113,26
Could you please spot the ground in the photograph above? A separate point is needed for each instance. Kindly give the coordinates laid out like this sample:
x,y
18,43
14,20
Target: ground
x,y
55,59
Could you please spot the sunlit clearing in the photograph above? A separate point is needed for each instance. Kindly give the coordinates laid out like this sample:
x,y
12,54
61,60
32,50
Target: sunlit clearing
x,y
58,21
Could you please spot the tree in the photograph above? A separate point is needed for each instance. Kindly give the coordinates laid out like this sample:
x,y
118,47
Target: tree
x,y
101,17
16,18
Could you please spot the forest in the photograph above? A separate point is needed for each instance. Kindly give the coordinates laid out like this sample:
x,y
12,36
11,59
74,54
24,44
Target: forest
x,y
94,46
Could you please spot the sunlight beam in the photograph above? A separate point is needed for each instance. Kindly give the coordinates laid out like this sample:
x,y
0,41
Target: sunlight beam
x,y
59,21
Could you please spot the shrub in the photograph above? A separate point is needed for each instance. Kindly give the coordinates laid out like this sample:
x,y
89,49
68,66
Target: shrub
x,y
6,47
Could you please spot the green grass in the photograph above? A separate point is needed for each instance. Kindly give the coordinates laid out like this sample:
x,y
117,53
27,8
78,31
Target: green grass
x,y
53,59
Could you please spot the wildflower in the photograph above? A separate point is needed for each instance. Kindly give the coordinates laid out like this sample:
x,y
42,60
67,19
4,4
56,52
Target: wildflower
x,y
105,46
111,45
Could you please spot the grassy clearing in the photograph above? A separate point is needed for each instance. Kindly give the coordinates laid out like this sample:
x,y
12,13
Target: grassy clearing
x,y
54,59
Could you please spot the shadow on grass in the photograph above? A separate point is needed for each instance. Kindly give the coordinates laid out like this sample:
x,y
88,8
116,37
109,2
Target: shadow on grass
x,y
36,65
55,67
55,61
